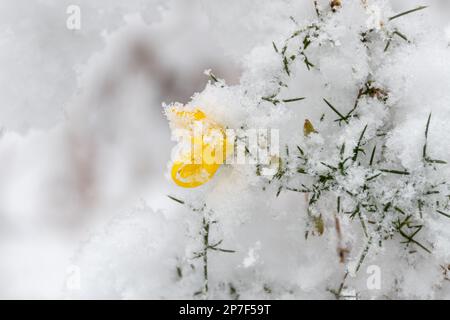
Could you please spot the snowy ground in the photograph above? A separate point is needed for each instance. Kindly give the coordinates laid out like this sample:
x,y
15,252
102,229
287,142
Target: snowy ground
x,y
85,147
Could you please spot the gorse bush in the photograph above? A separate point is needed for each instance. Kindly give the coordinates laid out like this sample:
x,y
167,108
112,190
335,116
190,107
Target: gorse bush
x,y
361,174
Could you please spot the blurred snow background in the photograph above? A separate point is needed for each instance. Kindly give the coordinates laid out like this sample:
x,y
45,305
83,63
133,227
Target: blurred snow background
x,y
84,144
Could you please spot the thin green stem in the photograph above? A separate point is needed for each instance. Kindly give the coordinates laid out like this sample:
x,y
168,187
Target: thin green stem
x,y
407,12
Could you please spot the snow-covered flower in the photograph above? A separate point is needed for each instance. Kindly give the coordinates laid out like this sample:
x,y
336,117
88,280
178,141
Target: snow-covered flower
x,y
201,149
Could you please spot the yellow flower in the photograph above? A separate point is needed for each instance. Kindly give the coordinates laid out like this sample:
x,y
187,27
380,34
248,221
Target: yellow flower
x,y
197,162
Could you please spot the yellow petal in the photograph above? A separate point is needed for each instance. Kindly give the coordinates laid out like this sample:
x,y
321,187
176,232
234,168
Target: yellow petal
x,y
184,119
192,175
